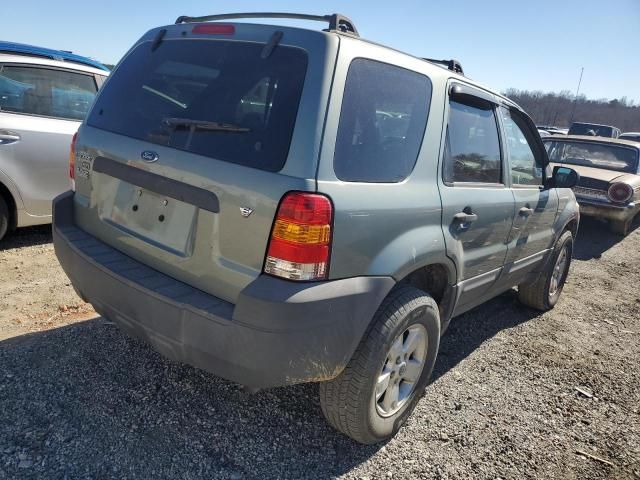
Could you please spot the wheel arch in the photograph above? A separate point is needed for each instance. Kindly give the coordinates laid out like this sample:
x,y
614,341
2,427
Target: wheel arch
x,y
9,199
437,279
572,226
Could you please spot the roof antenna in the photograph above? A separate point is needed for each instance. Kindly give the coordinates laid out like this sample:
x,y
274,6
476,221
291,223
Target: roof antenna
x,y
575,101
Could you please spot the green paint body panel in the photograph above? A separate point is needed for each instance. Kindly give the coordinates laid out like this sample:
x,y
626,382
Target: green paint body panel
x,y
380,230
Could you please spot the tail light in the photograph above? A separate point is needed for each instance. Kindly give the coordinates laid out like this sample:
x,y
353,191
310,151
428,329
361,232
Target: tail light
x,y
300,243
72,161
620,192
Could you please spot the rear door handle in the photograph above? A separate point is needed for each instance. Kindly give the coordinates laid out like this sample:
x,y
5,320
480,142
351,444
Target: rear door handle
x,y
525,211
7,137
464,217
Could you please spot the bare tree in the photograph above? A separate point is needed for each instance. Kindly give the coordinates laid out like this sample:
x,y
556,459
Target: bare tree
x,y
555,109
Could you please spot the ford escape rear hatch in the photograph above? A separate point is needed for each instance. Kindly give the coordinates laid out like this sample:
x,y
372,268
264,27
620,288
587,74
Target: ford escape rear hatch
x,y
177,161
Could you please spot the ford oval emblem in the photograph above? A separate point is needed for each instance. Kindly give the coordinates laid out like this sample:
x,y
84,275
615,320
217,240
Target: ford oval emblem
x,y
149,156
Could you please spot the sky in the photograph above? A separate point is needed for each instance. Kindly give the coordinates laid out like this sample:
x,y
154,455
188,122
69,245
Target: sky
x,y
532,45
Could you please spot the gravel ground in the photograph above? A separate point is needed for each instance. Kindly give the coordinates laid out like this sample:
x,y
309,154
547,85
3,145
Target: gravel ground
x,y
79,399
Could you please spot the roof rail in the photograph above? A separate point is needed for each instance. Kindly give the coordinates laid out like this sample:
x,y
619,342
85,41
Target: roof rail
x,y
453,65
337,23
41,52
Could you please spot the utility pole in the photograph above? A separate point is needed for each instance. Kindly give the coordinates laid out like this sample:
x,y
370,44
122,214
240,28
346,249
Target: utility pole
x,y
575,100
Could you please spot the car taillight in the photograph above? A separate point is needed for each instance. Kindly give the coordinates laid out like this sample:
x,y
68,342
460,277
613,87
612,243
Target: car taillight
x,y
620,192
72,161
300,243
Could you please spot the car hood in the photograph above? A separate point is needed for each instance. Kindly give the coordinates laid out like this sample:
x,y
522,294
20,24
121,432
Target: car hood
x,y
603,174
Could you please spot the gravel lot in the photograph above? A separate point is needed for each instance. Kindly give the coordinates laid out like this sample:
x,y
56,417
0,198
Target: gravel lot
x,y
79,399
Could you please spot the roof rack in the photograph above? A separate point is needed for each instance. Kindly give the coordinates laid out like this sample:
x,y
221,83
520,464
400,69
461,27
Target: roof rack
x,y
337,23
453,65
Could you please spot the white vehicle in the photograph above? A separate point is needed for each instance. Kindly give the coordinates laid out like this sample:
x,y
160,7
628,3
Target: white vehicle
x,y
44,96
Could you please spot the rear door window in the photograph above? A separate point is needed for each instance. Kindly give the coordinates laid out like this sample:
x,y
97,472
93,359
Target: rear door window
x,y
46,92
382,122
214,98
472,150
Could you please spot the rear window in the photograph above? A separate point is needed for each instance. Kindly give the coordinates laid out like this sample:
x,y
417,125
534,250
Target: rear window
x,y
598,155
382,122
630,136
590,129
219,99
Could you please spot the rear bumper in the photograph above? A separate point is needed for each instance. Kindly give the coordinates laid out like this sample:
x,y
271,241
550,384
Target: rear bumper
x,y
609,211
278,333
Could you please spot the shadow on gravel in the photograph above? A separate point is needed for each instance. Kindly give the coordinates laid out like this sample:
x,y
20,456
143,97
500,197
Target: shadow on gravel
x,y
87,401
470,330
467,332
594,238
26,237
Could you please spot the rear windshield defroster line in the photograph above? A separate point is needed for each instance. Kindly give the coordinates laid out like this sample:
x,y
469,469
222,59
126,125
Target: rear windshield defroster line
x,y
206,83
168,187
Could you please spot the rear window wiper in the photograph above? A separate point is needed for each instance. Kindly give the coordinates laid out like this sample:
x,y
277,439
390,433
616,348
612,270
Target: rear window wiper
x,y
194,125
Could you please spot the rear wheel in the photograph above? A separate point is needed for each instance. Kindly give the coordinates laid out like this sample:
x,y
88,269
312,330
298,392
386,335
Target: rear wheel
x,y
544,293
377,391
4,218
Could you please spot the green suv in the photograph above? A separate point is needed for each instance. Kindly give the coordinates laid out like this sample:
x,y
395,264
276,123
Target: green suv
x,y
280,205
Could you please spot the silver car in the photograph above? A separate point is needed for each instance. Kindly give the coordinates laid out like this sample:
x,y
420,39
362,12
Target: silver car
x,y
44,96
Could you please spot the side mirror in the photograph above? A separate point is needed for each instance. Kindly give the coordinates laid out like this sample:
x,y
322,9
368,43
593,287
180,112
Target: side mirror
x,y
564,177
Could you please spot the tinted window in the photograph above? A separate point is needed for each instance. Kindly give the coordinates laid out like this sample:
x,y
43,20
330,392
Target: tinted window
x,y
630,136
598,155
382,122
214,98
50,93
591,129
472,151
525,168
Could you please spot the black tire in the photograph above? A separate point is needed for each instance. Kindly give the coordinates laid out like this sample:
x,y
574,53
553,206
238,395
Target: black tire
x,y
4,218
348,402
537,294
621,227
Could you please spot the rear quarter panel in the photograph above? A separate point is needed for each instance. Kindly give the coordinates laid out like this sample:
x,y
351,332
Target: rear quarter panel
x,y
387,229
